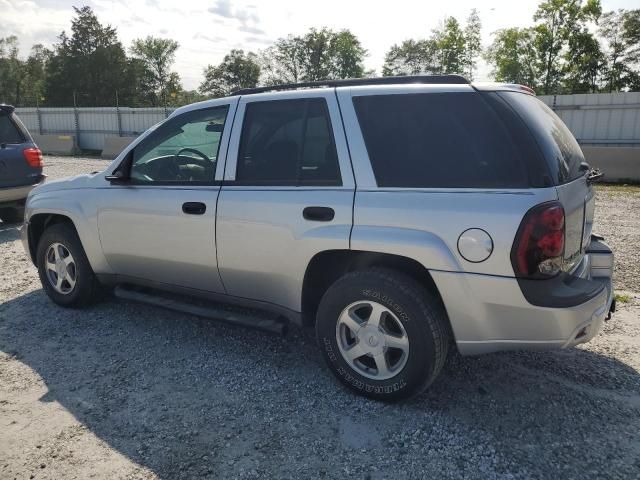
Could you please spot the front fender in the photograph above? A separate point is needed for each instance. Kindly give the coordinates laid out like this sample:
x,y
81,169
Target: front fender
x,y
82,213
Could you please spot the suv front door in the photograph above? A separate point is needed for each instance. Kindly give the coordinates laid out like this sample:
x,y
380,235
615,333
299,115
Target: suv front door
x,y
287,195
158,224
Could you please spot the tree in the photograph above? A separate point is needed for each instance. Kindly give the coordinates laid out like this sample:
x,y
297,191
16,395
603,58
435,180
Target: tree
x,y
558,20
583,63
445,51
412,57
317,55
611,31
472,38
631,35
451,47
347,55
87,66
11,71
514,56
157,56
281,62
237,70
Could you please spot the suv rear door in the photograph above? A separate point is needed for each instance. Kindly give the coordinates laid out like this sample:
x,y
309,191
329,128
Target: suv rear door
x,y
287,195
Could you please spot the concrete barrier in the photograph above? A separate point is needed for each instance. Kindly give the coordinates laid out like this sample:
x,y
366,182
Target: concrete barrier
x,y
618,164
56,144
114,145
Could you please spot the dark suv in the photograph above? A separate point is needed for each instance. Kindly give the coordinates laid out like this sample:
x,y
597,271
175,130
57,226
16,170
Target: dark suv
x,y
20,165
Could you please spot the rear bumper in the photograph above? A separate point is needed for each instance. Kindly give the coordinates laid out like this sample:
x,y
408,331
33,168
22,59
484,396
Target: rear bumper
x,y
20,193
490,314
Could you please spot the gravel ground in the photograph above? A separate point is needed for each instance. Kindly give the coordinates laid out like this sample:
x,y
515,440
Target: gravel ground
x,y
128,391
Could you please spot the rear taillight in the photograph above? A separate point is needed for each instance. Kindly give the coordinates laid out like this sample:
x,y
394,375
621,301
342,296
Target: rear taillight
x,y
538,249
33,156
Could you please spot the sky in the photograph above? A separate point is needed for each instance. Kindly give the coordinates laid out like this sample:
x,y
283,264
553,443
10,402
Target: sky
x,y
207,29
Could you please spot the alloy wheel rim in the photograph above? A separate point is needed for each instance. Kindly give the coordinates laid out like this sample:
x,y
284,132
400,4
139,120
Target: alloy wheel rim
x,y
372,340
60,268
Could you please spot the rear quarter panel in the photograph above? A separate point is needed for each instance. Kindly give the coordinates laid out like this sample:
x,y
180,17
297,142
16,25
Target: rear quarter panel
x,y
425,225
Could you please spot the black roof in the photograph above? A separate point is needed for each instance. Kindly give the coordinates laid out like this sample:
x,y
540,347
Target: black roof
x,y
349,82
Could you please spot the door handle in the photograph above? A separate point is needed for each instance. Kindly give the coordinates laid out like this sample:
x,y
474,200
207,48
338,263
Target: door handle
x,y
318,214
194,208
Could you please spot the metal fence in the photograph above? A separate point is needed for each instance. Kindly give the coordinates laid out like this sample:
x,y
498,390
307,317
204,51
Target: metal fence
x,y
595,119
600,119
90,126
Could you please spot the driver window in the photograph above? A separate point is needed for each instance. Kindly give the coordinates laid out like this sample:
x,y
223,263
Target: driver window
x,y
182,150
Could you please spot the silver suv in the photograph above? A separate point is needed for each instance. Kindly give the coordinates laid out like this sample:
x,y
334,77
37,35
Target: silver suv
x,y
402,217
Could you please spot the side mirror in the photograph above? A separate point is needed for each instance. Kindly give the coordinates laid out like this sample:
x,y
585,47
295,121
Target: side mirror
x,y
119,175
116,176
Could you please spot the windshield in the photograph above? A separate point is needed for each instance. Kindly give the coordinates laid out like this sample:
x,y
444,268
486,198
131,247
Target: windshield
x,y
558,145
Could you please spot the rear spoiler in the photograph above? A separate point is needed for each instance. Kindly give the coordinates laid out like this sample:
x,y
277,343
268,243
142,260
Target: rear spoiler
x,y
6,109
507,87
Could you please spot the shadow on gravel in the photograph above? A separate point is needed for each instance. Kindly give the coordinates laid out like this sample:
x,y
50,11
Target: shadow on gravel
x,y
9,232
186,397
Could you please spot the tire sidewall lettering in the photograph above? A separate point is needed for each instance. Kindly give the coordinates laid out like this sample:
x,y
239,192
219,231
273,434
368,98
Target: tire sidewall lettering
x,y
388,301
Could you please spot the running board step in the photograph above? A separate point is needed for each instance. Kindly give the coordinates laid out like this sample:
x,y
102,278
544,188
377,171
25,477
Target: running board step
x,y
201,308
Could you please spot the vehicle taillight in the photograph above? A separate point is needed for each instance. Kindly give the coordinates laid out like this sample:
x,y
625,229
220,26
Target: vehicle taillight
x,y
33,156
538,249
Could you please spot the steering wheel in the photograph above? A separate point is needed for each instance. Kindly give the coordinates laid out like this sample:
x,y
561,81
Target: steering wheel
x,y
197,152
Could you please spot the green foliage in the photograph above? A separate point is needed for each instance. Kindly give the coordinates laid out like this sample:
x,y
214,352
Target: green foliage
x,y
21,80
514,56
158,84
473,39
317,55
237,70
88,65
572,47
584,61
622,298
412,57
559,22
449,49
621,32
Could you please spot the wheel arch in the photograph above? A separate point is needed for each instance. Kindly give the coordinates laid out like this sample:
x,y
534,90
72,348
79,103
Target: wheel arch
x,y
38,223
327,266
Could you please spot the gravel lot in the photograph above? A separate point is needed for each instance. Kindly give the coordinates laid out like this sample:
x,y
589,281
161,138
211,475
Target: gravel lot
x,y
128,391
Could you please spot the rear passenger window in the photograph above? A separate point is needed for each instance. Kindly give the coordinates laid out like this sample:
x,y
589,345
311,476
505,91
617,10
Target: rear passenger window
x,y
9,133
287,142
439,140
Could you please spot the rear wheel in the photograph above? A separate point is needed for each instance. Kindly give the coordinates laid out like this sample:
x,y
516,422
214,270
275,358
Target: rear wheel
x,y
382,334
64,270
12,214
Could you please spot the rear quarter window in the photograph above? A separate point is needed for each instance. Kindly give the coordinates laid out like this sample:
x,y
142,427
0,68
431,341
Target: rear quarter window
x,y
438,140
558,145
9,132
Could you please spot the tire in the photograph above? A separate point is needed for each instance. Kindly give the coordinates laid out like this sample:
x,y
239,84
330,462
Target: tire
x,y
12,214
85,286
412,318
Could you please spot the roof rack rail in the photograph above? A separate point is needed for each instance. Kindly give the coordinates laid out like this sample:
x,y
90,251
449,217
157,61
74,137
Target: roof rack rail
x,y
350,82
7,109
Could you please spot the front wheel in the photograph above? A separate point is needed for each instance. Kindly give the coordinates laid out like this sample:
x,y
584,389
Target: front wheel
x,y
382,334
64,270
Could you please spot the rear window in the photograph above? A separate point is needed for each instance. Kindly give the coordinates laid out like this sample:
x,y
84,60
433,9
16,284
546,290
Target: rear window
x,y
9,132
439,140
558,145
